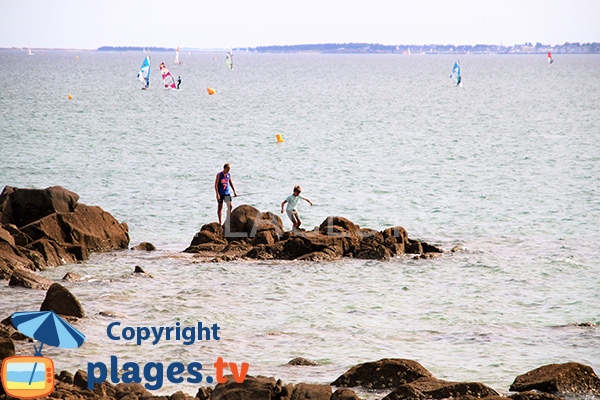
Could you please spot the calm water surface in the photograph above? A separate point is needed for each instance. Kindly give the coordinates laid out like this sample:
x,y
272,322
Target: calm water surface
x,y
507,167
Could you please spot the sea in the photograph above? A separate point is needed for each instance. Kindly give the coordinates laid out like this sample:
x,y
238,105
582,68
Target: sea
x,y
506,167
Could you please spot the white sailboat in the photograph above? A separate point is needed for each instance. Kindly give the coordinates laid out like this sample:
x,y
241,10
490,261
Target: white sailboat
x,y
30,53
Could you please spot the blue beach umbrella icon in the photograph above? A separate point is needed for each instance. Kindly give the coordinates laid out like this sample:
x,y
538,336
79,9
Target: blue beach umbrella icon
x,y
48,328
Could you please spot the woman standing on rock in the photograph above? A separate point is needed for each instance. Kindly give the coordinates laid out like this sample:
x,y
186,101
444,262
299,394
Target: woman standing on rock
x,y
222,184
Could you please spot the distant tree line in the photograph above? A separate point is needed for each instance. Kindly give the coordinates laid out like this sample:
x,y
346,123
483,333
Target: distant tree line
x,y
527,48
133,48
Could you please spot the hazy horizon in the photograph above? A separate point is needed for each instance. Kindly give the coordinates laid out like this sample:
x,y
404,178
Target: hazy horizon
x,y
65,24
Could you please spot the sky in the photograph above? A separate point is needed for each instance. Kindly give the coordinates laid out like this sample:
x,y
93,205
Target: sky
x,y
206,24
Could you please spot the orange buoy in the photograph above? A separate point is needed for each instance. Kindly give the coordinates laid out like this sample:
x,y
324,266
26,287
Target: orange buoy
x,y
70,97
211,91
279,138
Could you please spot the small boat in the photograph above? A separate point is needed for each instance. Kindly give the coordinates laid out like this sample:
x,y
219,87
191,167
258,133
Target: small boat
x,y
229,59
30,53
144,74
550,60
168,79
177,57
456,73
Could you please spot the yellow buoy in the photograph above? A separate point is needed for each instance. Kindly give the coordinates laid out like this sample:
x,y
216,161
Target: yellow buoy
x,y
77,57
70,97
279,138
211,91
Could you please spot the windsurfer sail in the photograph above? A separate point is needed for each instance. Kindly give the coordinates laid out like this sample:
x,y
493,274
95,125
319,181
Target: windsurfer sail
x,y
229,59
30,53
168,79
550,60
144,74
177,57
456,73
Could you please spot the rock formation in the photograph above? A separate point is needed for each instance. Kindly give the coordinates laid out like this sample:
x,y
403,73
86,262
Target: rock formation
x,y
251,234
41,228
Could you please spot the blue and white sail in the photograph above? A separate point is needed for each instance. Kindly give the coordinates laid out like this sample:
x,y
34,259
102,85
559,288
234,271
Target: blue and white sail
x,y
456,73
144,74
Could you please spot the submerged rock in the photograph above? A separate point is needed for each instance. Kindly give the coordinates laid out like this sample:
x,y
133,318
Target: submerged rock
x,y
303,361
144,246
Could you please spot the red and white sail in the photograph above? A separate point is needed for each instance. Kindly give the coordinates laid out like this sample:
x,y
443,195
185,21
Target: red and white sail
x,y
168,79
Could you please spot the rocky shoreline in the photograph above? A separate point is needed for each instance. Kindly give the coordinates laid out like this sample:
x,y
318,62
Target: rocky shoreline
x,y
44,228
388,379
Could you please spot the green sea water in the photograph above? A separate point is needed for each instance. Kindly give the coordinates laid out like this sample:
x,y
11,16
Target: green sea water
x,y
505,167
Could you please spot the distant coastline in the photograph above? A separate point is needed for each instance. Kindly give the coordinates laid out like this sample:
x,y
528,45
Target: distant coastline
x,y
373,48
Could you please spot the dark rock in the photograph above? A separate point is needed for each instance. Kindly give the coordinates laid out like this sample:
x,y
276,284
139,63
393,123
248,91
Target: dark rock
x,y
12,258
210,248
54,254
27,279
144,246
382,374
559,378
111,314
180,396
328,227
303,361
80,252
7,348
265,251
253,388
242,223
5,236
213,227
23,206
344,394
7,330
236,248
395,239
66,377
265,237
89,226
413,247
207,237
60,300
72,277
304,391
326,254
139,272
529,395
136,389
429,248
432,388
204,393
373,251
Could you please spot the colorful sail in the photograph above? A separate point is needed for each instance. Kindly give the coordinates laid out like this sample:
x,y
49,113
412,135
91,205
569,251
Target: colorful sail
x,y
550,60
144,74
456,73
177,57
229,59
168,79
